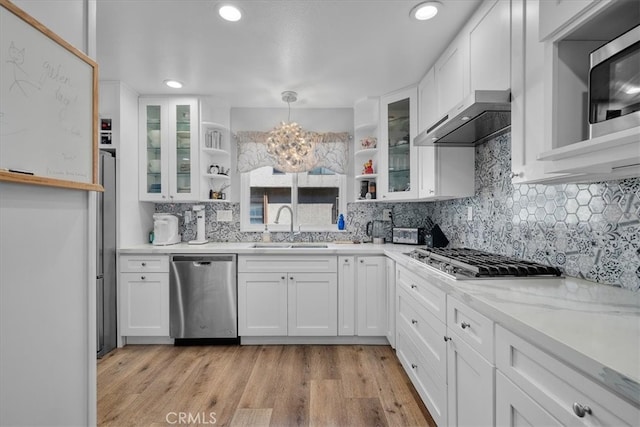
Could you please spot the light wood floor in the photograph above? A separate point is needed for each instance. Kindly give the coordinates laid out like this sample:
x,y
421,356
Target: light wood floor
x,y
294,385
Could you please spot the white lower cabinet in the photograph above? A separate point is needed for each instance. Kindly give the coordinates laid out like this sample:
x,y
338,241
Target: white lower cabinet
x,y
144,296
262,304
446,348
470,385
347,295
391,301
313,304
515,408
362,296
287,296
550,390
371,300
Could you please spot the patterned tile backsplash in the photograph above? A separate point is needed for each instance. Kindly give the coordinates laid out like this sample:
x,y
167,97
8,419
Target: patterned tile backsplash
x,y
590,231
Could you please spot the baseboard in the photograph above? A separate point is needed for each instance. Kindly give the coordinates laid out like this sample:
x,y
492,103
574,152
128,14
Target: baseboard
x,y
314,340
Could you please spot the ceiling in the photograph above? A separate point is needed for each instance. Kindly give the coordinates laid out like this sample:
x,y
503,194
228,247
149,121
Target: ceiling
x,y
332,52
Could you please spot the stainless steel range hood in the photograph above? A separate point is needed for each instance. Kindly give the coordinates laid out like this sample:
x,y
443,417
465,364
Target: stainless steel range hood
x,y
483,114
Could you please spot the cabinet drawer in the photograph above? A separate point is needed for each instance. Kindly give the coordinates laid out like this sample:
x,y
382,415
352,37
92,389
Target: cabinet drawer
x,y
427,295
289,263
471,326
557,387
144,263
431,388
427,332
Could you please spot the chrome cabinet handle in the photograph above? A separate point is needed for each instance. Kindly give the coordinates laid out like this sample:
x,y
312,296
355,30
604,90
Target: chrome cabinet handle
x,y
581,410
446,338
414,321
465,325
515,174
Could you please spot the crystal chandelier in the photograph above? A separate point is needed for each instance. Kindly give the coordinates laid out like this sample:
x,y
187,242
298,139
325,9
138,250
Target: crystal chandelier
x,y
292,146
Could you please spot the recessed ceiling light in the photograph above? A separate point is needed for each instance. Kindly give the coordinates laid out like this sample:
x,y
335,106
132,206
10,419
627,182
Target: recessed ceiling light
x,y
230,13
173,84
426,10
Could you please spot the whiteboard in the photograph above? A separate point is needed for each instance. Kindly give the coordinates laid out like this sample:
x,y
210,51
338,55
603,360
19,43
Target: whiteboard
x,y
48,106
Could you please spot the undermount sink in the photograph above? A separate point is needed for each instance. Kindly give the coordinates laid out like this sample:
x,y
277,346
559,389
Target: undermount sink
x,y
281,245
309,245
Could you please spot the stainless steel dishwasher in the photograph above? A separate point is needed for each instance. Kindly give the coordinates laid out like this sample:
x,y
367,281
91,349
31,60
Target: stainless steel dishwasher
x,y
203,296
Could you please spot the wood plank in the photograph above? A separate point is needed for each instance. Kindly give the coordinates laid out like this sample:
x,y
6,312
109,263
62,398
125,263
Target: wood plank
x,y
398,397
261,391
251,417
355,372
291,408
327,406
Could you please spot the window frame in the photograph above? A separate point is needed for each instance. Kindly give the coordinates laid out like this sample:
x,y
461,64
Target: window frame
x,y
245,207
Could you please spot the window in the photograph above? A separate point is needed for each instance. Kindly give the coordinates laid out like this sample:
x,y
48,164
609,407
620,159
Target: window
x,y
314,197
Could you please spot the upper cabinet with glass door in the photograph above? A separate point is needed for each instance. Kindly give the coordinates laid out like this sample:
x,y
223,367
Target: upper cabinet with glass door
x,y
398,160
168,149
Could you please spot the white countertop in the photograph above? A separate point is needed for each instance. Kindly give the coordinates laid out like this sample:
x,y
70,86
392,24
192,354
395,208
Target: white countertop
x,y
595,328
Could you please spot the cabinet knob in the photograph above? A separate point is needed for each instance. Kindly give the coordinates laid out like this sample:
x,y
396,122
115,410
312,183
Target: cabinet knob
x,y
413,286
465,325
446,338
414,321
414,366
291,278
164,197
144,264
283,277
142,277
361,261
346,261
581,410
515,174
432,191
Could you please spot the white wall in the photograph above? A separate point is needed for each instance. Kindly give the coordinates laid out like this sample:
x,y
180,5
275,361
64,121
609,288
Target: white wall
x,y
47,297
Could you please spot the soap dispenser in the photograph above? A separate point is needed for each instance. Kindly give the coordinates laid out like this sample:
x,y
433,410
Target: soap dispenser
x,y
341,222
266,235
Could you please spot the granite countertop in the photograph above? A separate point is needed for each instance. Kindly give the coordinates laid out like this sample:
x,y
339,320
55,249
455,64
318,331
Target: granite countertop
x,y
594,328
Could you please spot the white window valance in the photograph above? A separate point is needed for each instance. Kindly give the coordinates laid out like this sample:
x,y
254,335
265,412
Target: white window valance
x,y
331,151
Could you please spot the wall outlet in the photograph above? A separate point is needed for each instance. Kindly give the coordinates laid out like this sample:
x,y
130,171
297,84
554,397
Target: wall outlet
x,y
386,214
469,213
224,216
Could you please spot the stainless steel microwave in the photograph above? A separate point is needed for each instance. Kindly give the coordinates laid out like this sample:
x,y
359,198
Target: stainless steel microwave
x,y
614,85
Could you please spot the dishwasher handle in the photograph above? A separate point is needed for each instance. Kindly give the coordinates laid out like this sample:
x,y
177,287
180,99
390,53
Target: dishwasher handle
x,y
204,259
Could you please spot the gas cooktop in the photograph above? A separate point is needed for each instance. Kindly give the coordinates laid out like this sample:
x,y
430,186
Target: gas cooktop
x,y
465,263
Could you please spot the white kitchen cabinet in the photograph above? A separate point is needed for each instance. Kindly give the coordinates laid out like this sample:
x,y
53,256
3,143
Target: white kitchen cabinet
x,y
555,15
420,333
312,304
470,385
515,408
371,296
452,75
262,304
293,304
168,165
144,295
398,159
391,301
446,172
428,113
527,95
347,295
287,295
555,388
366,124
489,47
